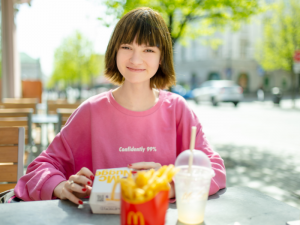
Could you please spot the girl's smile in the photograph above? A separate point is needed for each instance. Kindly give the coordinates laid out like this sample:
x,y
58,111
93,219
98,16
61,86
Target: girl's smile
x,y
135,70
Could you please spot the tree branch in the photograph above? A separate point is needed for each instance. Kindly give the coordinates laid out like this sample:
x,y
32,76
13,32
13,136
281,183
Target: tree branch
x,y
170,23
186,19
189,18
182,25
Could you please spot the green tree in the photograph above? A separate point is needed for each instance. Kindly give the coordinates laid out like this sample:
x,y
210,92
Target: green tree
x,y
75,63
188,18
281,37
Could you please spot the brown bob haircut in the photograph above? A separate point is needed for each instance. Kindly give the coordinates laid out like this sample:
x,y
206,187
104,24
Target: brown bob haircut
x,y
149,28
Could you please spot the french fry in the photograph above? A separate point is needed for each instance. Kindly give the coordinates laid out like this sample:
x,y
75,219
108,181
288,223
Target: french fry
x,y
146,184
162,170
151,181
128,188
172,173
143,177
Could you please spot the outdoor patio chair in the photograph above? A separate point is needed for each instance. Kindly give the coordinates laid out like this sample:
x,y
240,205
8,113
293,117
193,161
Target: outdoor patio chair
x,y
63,116
53,106
19,105
23,103
11,156
58,101
20,100
19,118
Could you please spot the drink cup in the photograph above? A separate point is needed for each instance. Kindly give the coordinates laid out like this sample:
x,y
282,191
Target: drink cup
x,y
192,192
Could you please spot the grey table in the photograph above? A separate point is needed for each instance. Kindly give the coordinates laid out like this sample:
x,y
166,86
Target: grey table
x,y
44,120
235,204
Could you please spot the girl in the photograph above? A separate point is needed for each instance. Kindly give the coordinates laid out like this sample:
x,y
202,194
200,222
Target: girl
x,y
138,125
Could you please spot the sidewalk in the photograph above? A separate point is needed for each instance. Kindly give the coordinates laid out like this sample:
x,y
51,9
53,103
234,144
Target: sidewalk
x,y
285,103
273,175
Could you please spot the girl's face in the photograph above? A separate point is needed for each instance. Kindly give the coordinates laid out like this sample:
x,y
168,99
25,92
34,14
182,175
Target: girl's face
x,y
138,63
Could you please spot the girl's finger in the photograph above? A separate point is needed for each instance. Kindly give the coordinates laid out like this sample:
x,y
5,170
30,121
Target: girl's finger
x,y
81,180
86,172
89,190
74,187
71,197
144,165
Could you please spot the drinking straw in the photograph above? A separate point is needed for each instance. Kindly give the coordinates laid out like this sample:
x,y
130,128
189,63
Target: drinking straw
x,y
192,146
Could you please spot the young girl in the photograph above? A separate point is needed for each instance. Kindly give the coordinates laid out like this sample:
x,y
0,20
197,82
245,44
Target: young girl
x,y
138,125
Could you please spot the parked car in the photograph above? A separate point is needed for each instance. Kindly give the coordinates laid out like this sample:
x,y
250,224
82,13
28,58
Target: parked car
x,y
180,90
217,91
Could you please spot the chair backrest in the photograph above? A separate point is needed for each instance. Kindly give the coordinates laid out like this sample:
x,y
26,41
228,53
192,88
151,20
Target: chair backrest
x,y
32,89
52,107
20,100
11,156
20,105
63,116
58,101
18,118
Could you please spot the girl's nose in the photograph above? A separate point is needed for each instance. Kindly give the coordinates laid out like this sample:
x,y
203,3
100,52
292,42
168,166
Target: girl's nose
x,y
136,58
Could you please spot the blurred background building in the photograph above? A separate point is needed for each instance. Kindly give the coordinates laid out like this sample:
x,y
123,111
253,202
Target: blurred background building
x,y
30,68
234,59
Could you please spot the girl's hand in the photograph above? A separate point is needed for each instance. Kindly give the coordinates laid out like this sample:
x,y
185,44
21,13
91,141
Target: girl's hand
x,y
148,166
144,166
78,186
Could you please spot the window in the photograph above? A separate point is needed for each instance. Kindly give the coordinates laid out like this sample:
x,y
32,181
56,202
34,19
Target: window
x,y
183,53
194,49
266,82
243,48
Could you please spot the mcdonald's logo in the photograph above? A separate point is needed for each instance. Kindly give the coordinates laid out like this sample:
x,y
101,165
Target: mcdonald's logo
x,y
135,218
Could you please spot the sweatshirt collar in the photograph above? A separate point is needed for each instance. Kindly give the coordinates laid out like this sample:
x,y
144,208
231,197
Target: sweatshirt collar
x,y
136,113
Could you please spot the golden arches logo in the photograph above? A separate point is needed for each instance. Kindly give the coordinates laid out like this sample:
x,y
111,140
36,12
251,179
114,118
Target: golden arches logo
x,y
135,217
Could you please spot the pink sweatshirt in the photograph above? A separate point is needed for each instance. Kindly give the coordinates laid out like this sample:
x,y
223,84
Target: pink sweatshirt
x,y
102,134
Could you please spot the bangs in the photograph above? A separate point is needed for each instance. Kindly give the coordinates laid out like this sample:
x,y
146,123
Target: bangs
x,y
144,26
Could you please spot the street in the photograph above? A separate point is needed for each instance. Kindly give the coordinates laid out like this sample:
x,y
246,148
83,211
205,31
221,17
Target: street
x,y
259,143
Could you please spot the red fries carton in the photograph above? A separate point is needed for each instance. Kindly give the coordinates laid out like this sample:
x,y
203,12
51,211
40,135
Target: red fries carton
x,y
152,212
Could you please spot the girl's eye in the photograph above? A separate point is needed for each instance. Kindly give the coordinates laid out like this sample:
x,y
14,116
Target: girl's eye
x,y
149,50
125,47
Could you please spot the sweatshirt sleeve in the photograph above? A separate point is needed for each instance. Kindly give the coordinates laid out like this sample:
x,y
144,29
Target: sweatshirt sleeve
x,y
186,118
57,163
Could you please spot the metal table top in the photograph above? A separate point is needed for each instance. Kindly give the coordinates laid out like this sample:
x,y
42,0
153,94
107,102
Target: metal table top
x,y
234,204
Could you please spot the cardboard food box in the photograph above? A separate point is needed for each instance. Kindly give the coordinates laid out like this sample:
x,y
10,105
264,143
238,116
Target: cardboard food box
x,y
101,200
